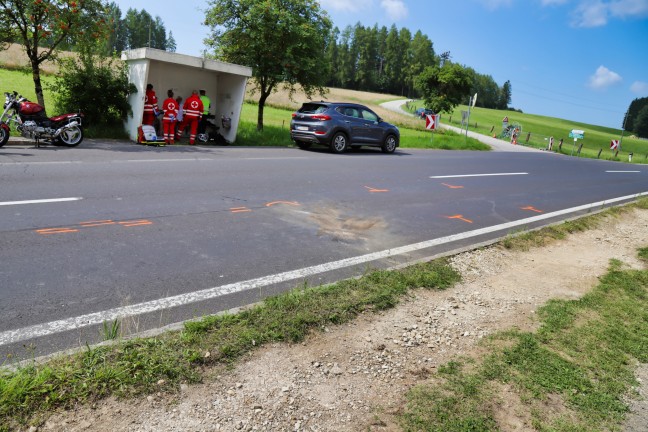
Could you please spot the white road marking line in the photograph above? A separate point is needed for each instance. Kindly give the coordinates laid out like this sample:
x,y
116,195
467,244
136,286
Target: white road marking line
x,y
7,203
478,175
46,329
622,171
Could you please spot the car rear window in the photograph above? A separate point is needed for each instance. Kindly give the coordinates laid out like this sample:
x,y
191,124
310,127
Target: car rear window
x,y
312,108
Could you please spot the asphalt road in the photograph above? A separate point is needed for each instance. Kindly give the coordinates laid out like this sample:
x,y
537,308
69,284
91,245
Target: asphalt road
x,y
153,236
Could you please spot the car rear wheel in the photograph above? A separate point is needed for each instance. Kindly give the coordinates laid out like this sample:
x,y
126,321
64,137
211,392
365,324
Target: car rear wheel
x,y
390,144
339,143
303,145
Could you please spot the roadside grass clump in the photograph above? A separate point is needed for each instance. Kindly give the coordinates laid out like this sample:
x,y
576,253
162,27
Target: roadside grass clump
x,y
525,240
128,368
570,375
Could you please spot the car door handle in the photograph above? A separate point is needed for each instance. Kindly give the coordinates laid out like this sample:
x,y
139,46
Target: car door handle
x,y
347,121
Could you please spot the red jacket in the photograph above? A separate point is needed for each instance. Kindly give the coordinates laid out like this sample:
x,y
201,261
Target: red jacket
x,y
150,103
170,108
193,107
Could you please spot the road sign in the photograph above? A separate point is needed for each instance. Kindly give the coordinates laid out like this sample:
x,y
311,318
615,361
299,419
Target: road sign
x,y
614,144
577,134
430,122
474,100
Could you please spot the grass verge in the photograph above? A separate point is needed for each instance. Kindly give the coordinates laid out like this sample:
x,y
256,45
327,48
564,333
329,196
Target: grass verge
x,y
583,352
570,375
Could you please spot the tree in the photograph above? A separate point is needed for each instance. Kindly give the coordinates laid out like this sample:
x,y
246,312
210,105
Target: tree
x,y
422,56
641,123
171,43
41,26
284,41
96,85
633,111
505,96
443,88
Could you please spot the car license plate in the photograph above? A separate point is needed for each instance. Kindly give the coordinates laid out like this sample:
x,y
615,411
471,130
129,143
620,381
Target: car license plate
x,y
302,128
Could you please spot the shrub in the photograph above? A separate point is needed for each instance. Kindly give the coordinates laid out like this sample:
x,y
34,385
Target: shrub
x,y
96,86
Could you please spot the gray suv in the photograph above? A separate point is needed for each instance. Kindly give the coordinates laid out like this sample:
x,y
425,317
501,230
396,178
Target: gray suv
x,y
340,126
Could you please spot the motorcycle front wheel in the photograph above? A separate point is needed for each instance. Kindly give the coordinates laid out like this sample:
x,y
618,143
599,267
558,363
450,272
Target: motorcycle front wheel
x,y
4,136
71,137
202,137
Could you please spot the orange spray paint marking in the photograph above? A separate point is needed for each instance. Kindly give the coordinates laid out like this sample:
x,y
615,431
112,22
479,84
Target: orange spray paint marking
x,y
48,231
292,203
460,217
376,190
96,223
452,186
240,210
135,223
531,208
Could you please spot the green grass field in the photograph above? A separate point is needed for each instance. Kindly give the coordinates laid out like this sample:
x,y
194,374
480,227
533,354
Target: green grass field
x,y
539,128
23,83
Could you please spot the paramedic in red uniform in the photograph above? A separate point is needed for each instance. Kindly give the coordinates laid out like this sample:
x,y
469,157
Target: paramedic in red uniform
x,y
150,106
193,110
170,108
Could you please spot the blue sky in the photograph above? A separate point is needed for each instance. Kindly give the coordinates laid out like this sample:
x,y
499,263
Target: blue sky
x,y
582,60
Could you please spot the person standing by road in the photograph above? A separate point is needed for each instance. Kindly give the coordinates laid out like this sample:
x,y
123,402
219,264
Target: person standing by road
x,y
206,107
150,106
170,108
193,111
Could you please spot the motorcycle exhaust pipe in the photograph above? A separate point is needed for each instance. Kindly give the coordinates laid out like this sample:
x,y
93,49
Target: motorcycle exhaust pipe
x,y
67,126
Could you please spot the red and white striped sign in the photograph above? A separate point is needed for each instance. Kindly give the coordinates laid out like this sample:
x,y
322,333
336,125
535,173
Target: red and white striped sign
x,y
430,122
614,144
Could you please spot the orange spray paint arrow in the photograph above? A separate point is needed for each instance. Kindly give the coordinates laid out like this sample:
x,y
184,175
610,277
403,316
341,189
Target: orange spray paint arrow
x,y
460,217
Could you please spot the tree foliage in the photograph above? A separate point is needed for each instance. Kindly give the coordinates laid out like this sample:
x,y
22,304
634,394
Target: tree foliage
x,y
284,41
633,112
97,86
444,87
505,96
137,29
641,123
43,26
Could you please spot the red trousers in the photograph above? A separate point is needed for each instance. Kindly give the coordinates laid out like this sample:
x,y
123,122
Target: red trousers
x,y
168,127
192,122
148,118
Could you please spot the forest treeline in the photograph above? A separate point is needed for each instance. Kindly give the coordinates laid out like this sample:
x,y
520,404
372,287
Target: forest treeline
x,y
378,59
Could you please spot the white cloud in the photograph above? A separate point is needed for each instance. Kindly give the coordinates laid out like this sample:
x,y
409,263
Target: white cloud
x,y
603,78
639,88
598,12
591,14
395,9
629,8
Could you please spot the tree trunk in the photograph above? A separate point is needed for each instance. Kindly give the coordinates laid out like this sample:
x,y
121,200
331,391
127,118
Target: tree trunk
x,y
262,101
38,86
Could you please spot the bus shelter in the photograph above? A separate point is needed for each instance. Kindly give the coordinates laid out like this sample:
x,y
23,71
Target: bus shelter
x,y
224,83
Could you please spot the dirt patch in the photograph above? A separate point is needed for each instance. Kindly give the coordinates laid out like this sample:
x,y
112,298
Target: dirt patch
x,y
354,377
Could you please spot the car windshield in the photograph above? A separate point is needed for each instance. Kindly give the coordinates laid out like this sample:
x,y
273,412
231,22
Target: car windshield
x,y
311,108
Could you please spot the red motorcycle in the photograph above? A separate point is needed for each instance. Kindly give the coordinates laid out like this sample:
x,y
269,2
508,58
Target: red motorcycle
x,y
31,122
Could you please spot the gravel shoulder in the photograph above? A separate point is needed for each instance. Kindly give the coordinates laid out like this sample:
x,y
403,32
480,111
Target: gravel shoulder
x,y
354,377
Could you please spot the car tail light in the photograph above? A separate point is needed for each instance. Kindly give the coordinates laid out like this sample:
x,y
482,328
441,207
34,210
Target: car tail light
x,y
321,117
